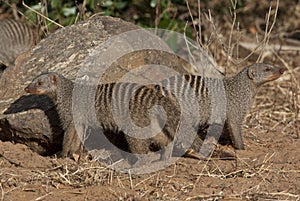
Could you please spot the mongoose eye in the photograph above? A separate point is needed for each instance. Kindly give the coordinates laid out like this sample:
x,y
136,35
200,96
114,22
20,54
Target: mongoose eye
x,y
268,69
39,83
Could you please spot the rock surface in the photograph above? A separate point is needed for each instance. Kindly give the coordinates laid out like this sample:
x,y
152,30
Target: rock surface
x,y
33,120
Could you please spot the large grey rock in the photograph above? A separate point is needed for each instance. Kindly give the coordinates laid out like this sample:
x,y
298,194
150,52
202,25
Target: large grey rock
x,y
33,120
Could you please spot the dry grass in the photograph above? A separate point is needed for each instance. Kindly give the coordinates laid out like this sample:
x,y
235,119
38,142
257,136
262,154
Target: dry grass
x,y
249,177
287,114
173,183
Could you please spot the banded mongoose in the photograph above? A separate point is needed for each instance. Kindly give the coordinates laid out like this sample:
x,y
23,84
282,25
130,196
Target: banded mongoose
x,y
239,91
141,101
15,39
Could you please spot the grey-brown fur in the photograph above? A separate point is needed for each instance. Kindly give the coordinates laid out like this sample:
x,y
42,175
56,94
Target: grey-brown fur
x,y
226,101
60,90
239,91
15,39
111,97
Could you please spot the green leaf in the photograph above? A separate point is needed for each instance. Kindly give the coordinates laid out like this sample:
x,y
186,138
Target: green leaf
x,y
108,12
69,11
55,3
107,3
120,5
91,4
172,42
153,3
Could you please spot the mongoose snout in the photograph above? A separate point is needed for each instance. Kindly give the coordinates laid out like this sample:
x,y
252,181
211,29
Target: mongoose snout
x,y
44,84
282,70
262,73
31,90
275,73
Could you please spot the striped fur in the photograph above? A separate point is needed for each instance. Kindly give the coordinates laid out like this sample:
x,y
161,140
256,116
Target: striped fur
x,y
15,39
117,104
110,106
188,103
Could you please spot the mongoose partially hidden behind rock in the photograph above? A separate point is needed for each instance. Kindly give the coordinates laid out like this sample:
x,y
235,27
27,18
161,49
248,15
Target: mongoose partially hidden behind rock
x,y
15,39
110,96
218,101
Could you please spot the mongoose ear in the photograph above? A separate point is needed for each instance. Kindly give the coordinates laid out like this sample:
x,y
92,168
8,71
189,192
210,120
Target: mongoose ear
x,y
53,78
251,73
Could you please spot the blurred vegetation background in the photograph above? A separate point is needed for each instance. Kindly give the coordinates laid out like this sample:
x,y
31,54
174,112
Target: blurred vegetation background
x,y
167,14
223,22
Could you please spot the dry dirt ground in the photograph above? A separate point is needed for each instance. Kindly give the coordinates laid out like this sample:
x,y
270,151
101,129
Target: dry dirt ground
x,y
268,168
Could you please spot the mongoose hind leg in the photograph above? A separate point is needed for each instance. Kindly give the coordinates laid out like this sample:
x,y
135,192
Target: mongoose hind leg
x,y
163,145
224,152
76,149
194,150
166,152
150,150
191,153
72,146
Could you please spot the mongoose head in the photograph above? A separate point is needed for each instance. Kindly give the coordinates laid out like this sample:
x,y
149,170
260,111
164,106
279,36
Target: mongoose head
x,y
44,84
261,73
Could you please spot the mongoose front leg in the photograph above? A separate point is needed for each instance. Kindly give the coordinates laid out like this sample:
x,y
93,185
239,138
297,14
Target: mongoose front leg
x,y
235,132
67,141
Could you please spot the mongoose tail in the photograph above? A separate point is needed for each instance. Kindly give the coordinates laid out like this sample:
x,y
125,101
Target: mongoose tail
x,y
240,91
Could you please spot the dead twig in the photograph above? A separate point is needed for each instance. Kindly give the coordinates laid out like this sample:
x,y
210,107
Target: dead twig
x,y
43,196
2,192
40,14
11,161
268,31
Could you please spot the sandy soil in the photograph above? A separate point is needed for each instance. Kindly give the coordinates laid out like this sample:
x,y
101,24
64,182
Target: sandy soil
x,y
268,168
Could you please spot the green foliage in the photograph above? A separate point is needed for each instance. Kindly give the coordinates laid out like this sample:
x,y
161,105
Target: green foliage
x,y
67,12
113,7
63,12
